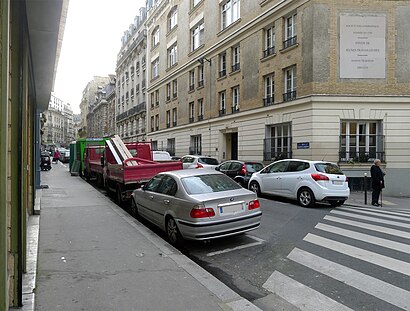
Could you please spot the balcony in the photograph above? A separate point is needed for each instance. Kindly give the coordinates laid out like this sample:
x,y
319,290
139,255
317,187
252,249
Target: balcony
x,y
236,67
289,96
289,42
235,109
222,73
269,51
222,112
200,117
168,125
201,83
270,153
191,120
352,157
192,87
133,111
174,123
268,101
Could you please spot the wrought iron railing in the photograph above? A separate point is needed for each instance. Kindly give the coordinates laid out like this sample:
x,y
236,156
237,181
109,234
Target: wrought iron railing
x,y
236,67
289,42
273,153
222,112
360,157
222,73
268,101
289,96
194,151
269,51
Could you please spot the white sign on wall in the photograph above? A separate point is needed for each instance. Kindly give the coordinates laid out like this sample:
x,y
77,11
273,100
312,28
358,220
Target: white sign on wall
x,y
362,45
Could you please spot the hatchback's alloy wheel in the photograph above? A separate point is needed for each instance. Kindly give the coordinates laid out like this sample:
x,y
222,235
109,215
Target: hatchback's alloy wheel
x,y
172,232
254,186
306,198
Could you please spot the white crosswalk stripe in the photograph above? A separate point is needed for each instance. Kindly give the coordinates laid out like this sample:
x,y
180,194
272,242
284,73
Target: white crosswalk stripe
x,y
348,224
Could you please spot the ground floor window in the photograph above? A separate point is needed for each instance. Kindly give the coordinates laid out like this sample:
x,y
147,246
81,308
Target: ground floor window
x,y
171,146
195,144
278,142
361,141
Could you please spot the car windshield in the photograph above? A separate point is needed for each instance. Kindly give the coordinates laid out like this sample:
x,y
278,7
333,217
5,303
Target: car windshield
x,y
208,183
328,168
210,161
253,167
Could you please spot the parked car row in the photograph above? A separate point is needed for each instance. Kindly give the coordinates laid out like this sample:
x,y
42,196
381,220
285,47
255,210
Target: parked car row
x,y
202,204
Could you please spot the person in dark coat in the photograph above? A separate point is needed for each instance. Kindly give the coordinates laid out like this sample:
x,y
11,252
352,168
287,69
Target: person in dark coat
x,y
377,181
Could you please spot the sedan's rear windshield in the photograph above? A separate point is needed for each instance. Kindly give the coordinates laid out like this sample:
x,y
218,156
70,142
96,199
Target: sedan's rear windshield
x,y
210,161
208,183
328,168
253,167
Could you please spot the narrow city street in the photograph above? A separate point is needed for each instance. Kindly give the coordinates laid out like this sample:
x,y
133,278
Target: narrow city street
x,y
346,258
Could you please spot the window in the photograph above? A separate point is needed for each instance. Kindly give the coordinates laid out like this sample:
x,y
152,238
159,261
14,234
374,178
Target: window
x,y
269,41
195,145
174,88
192,80
235,99
152,123
152,99
195,2
174,116
236,58
171,146
200,75
157,98
157,122
197,35
172,55
278,144
191,112
172,18
230,12
361,141
290,31
290,84
269,90
155,69
222,64
168,91
168,116
222,103
155,37
154,145
200,109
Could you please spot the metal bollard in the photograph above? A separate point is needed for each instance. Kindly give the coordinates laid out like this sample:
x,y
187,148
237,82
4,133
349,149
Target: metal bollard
x,y
365,188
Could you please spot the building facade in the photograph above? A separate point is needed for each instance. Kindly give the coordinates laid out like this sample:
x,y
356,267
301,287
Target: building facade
x,y
266,80
89,99
29,52
130,108
58,129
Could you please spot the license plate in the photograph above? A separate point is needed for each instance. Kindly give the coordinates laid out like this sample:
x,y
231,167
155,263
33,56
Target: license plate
x,y
230,209
338,182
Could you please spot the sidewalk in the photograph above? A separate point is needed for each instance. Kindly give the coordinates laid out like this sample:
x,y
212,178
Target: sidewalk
x,y
94,256
397,203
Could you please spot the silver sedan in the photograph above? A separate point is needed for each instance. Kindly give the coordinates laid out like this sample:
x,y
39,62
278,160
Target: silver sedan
x,y
197,205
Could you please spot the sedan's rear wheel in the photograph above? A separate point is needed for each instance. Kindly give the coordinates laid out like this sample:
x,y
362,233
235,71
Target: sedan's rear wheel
x,y
306,197
254,186
173,234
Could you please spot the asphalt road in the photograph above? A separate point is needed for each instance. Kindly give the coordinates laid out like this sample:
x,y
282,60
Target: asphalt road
x,y
320,258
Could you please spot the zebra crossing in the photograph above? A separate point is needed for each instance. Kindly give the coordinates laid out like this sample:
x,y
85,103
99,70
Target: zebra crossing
x,y
363,252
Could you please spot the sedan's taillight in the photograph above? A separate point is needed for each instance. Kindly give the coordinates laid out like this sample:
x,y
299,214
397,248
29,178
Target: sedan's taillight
x,y
199,211
243,170
318,177
254,204
198,165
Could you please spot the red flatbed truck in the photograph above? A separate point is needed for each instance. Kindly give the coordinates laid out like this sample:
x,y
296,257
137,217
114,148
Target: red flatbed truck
x,y
124,173
92,164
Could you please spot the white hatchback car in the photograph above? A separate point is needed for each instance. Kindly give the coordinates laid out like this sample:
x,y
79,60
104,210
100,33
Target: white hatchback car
x,y
303,180
198,161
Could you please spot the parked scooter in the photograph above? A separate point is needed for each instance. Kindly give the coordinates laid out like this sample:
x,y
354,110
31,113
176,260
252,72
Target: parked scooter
x,y
45,164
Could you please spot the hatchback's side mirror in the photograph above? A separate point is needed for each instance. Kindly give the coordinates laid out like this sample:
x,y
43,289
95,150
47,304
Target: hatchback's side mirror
x,y
217,168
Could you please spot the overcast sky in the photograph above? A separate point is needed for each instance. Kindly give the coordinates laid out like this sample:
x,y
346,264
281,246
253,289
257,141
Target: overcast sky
x,y
92,40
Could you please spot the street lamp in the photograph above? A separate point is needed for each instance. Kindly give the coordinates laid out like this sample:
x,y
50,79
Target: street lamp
x,y
201,61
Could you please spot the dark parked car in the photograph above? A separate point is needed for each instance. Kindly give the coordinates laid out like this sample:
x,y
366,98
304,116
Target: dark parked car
x,y
45,163
240,171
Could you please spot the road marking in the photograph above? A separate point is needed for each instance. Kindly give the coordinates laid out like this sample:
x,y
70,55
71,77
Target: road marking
x,y
378,211
368,284
363,225
386,222
373,213
352,251
401,247
227,250
299,295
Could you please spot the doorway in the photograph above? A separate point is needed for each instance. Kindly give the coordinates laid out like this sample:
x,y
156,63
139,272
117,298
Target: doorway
x,y
234,146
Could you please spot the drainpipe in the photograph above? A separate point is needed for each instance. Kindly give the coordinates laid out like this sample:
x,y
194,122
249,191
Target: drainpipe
x,y
37,126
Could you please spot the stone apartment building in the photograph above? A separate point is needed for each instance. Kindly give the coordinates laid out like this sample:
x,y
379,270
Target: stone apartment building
x,y
100,118
88,99
59,127
270,79
131,72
